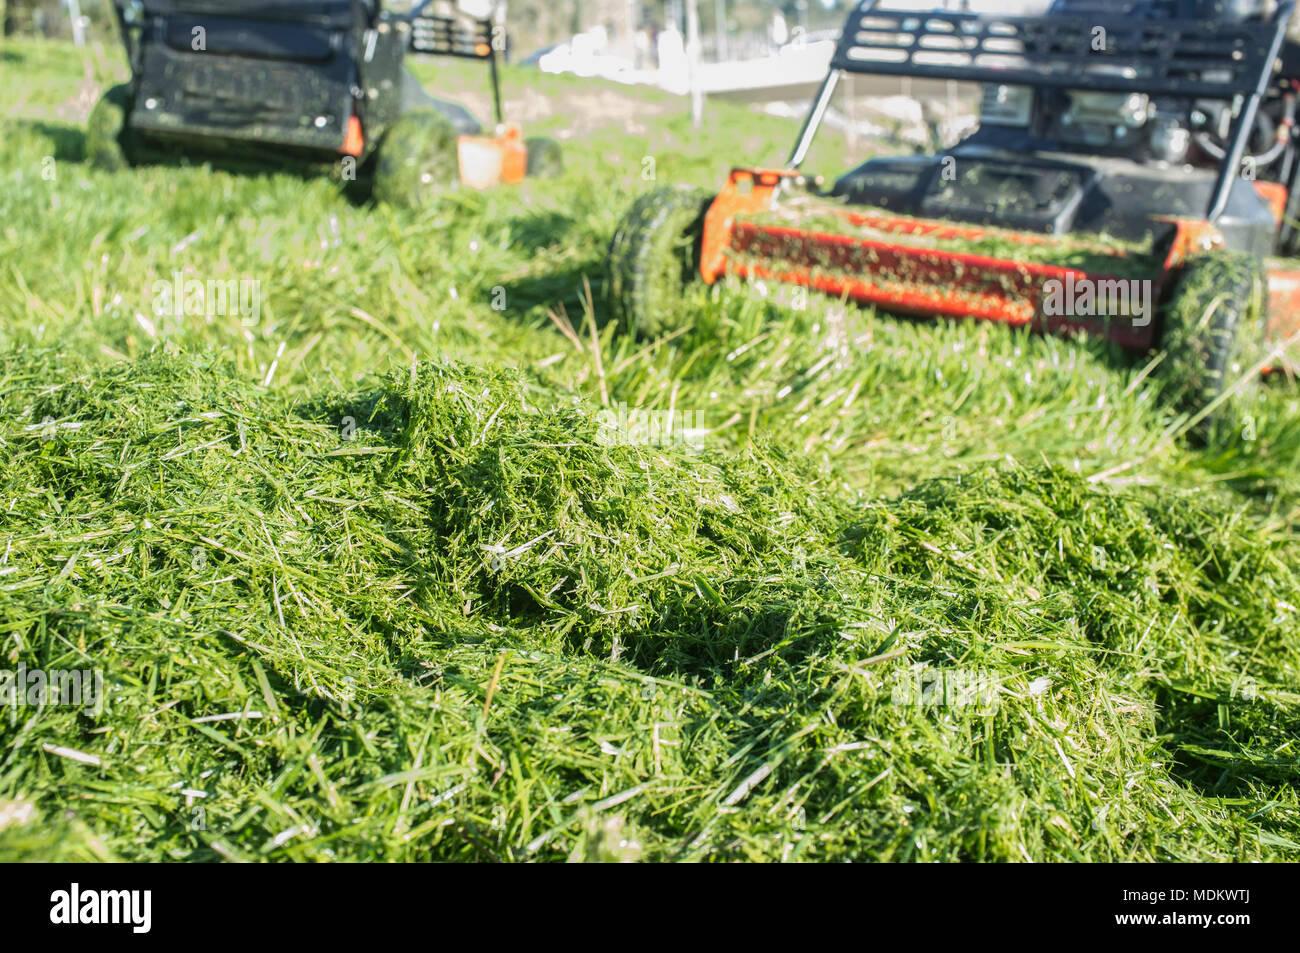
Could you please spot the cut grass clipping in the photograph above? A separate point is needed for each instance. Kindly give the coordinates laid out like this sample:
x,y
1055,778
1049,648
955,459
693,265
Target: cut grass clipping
x,y
438,618
1100,254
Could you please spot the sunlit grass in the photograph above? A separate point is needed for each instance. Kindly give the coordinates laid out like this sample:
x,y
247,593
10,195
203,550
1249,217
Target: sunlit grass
x,y
476,629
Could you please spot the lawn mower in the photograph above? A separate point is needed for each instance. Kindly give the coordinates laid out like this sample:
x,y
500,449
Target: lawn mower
x,y
1133,169
308,83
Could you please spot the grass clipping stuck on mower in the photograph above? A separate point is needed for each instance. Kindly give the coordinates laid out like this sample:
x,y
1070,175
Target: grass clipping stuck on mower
x,y
1100,253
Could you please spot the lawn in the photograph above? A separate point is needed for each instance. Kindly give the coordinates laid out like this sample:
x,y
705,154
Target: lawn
x,y
368,575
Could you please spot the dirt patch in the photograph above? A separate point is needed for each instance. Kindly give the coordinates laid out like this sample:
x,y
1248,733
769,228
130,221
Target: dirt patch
x,y
586,111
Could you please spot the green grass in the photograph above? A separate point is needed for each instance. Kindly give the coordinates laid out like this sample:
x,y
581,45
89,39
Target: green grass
x,y
367,580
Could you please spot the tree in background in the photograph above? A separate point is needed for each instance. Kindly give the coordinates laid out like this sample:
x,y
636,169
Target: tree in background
x,y
538,23
50,17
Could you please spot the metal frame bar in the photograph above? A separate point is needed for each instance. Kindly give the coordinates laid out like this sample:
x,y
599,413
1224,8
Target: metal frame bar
x,y
485,28
450,25
1245,122
496,78
812,122
1155,56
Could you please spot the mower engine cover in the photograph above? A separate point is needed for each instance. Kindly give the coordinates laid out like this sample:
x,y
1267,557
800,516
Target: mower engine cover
x,y
999,179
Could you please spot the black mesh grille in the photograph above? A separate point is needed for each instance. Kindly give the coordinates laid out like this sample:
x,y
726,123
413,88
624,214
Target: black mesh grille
x,y
445,36
1158,56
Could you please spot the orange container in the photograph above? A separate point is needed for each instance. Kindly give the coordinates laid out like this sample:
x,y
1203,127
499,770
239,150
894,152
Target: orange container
x,y
486,161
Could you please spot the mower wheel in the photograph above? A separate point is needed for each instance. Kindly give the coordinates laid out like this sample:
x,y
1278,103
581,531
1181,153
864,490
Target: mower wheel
x,y
1213,335
545,160
654,254
417,159
110,145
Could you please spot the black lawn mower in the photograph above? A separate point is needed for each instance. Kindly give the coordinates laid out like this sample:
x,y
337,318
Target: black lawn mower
x,y
316,84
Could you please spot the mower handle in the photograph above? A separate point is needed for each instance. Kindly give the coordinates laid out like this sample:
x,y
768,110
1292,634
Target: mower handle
x,y
1245,123
484,50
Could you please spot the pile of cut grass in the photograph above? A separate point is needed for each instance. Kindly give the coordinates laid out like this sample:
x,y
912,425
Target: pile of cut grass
x,y
477,630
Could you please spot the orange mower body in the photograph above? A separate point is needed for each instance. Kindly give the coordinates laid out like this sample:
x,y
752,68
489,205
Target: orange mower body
x,y
891,262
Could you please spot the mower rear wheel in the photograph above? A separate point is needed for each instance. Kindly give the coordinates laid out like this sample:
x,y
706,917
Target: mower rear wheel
x,y
417,159
545,160
110,145
1213,335
654,254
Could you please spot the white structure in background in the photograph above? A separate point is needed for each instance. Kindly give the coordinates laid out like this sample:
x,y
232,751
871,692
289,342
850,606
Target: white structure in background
x,y
674,72
780,32
586,54
1010,7
801,62
797,60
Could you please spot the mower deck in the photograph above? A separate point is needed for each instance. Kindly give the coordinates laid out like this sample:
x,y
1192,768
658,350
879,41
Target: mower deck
x,y
931,268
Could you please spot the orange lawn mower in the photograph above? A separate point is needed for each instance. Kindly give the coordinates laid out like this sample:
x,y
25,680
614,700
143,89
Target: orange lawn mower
x,y
309,84
1133,176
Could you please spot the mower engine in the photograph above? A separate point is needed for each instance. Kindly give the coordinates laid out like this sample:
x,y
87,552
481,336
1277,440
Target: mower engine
x,y
1142,127
1059,160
